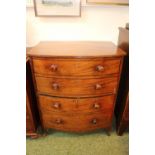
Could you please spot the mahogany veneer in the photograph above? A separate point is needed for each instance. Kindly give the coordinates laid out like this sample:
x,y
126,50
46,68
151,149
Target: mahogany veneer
x,y
76,84
76,67
66,105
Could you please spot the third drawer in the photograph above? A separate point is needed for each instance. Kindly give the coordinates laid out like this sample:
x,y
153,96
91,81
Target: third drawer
x,y
50,104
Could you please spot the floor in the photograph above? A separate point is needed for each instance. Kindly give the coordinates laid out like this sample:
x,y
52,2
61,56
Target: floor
x,y
95,143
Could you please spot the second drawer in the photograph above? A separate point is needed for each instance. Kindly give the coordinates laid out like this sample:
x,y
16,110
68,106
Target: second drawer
x,y
71,87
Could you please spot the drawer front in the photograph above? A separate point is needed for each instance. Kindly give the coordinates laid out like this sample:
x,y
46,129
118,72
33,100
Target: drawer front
x,y
76,122
76,67
87,105
76,87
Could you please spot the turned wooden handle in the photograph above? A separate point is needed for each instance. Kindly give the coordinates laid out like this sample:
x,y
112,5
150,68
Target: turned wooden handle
x,y
58,121
98,86
56,105
55,86
96,106
94,121
99,68
54,67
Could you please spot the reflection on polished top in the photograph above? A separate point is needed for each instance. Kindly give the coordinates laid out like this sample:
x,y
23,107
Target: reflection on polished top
x,y
76,49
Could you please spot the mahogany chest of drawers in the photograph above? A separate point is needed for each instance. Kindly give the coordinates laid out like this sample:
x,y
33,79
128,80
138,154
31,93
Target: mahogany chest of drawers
x,y
76,84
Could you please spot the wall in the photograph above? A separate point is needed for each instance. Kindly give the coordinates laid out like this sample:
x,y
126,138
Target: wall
x,y
96,23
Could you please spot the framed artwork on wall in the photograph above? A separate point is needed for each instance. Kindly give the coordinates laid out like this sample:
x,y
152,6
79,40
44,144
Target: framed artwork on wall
x,y
57,8
113,2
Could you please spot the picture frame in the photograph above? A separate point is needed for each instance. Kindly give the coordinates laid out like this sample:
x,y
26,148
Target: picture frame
x,y
108,2
57,8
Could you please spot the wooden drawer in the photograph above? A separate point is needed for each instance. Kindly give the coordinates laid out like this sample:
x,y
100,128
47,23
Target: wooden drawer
x,y
75,122
76,87
76,67
87,105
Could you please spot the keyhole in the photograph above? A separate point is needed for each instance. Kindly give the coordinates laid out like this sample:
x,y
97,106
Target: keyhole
x,y
76,103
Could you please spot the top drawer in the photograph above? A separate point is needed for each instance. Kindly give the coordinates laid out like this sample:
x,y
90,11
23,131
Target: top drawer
x,y
76,67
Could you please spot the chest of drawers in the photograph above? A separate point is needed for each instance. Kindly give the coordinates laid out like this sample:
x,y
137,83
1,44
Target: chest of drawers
x,y
76,84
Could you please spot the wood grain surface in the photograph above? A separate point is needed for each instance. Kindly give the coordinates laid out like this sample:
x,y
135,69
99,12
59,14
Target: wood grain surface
x,y
76,49
76,83
73,87
76,67
80,122
50,104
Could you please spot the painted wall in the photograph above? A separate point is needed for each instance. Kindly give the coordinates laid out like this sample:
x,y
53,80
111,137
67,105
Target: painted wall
x,y
96,23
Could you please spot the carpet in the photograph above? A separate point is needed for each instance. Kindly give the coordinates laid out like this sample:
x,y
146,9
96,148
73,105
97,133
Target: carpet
x,y
94,143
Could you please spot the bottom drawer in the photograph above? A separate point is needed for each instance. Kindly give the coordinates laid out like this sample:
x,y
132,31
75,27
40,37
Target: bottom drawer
x,y
76,123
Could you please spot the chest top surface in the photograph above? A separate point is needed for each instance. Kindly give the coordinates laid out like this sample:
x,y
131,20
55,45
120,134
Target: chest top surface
x,y
75,49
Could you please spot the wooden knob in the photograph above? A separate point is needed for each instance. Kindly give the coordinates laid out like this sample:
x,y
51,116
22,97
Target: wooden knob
x,y
58,121
55,86
96,106
56,105
98,86
54,67
99,68
94,121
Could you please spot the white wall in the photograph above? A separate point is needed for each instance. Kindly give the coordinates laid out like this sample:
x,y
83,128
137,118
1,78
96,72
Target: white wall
x,y
96,23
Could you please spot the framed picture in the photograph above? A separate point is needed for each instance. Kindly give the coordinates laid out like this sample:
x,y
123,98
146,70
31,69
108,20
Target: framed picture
x,y
62,8
113,2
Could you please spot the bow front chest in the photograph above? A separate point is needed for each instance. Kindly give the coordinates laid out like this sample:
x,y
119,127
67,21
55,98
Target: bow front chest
x,y
76,84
